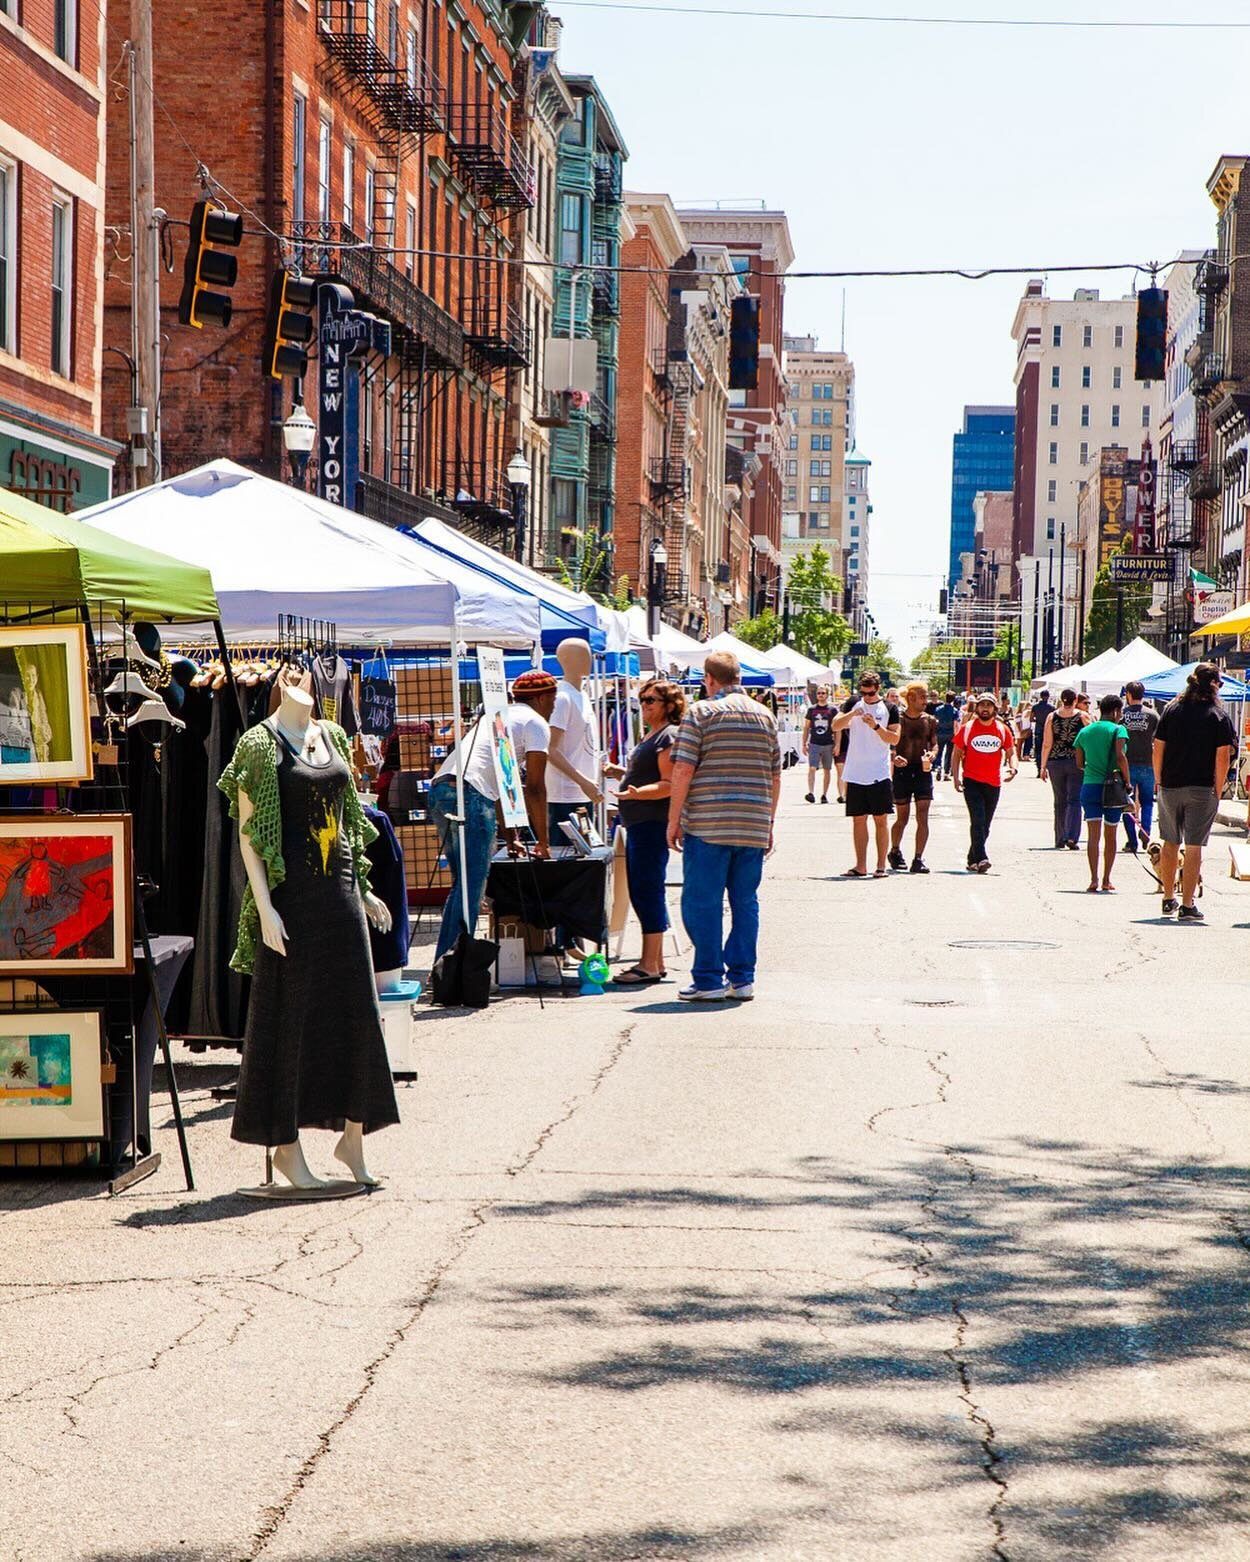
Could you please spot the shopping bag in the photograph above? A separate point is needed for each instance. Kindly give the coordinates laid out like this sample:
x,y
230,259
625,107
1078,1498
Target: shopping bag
x,y
461,978
377,697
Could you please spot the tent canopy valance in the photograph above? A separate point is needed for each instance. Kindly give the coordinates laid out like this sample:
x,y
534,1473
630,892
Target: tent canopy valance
x,y
47,558
273,549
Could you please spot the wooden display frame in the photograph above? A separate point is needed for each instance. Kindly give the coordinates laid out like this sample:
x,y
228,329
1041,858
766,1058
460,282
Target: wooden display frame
x,y
79,766
116,829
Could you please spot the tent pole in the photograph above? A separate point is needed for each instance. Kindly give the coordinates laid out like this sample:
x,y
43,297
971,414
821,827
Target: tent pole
x,y
224,652
456,722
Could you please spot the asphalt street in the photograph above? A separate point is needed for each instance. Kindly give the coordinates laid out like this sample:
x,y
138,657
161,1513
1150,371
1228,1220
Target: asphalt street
x,y
939,1249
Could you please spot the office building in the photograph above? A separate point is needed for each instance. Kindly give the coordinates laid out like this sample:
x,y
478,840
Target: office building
x,y
983,461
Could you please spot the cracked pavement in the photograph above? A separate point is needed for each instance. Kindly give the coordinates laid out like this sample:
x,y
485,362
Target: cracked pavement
x,y
930,1251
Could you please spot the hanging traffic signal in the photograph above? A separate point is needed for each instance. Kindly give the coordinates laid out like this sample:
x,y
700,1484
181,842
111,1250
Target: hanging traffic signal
x,y
288,325
208,267
744,342
1152,334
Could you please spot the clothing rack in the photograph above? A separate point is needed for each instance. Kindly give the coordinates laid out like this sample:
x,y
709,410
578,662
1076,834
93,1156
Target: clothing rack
x,y
299,637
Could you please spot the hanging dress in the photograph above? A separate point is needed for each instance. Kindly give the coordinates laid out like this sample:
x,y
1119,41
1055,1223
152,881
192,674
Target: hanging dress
x,y
313,1052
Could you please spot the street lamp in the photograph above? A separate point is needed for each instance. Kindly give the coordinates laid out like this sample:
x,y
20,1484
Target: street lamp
x,y
299,433
519,475
657,563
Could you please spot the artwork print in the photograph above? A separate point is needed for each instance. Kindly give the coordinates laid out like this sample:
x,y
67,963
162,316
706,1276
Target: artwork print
x,y
45,732
64,895
50,1076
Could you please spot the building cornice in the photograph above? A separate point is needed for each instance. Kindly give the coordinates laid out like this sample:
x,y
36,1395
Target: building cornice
x,y
660,216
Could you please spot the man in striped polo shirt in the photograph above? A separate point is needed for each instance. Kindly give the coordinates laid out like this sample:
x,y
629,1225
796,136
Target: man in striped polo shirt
x,y
726,783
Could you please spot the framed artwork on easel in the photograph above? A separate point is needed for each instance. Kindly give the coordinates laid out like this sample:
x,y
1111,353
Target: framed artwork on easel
x,y
66,895
45,709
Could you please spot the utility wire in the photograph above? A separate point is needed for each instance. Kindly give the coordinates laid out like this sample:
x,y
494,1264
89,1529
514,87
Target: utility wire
x,y
856,18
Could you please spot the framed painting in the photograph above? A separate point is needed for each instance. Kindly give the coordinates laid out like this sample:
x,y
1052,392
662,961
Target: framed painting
x,y
66,903
45,710
50,1084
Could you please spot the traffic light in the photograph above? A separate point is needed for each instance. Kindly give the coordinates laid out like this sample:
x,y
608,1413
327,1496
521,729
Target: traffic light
x,y
1152,333
208,267
942,600
288,325
744,342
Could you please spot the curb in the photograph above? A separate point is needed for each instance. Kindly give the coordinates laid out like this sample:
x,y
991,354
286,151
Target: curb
x,y
1231,820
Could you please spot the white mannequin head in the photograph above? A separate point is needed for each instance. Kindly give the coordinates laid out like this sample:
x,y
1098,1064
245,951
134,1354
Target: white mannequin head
x,y
574,659
296,709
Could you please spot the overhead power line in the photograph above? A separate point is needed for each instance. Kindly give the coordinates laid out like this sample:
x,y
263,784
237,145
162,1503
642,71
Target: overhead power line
x,y
1056,24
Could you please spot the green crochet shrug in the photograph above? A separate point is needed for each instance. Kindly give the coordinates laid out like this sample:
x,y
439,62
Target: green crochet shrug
x,y
254,770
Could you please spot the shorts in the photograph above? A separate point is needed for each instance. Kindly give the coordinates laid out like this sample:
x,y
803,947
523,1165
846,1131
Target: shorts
x,y
1092,807
820,756
869,800
1186,814
914,782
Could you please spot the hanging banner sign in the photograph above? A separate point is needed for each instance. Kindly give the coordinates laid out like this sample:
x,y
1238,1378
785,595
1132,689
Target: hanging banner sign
x,y
494,727
344,335
1213,605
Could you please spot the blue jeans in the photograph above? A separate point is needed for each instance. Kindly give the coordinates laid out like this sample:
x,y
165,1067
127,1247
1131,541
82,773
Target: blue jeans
x,y
646,865
479,843
1143,782
711,873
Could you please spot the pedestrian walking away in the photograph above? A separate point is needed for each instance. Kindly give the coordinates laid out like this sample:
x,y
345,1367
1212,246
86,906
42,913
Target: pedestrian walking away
x,y
1141,723
982,745
872,728
818,744
726,783
1059,767
1193,745
1042,711
913,776
947,718
1102,758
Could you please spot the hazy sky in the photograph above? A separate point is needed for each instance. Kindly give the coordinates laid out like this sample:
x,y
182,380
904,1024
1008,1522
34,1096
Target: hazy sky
x,y
927,145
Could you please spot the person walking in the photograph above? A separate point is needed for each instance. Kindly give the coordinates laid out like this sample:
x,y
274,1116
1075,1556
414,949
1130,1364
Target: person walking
x,y
642,805
1042,711
1101,755
947,718
1193,745
818,743
872,729
1024,729
1059,767
913,776
726,783
1141,723
981,747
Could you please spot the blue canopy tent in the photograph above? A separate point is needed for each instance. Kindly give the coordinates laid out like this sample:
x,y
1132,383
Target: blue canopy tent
x,y
1167,685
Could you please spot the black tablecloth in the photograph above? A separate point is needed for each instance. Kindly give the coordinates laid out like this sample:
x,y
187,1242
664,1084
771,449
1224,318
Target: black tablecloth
x,y
571,893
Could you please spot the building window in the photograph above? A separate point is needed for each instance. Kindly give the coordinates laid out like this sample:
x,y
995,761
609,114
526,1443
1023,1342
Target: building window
x,y
1050,528
65,30
815,441
1119,336
323,171
298,122
62,284
1115,417
1051,491
414,58
813,495
792,468
392,32
1056,336
370,197
796,390
570,229
1087,336
1084,455
349,183
1086,377
1054,453
8,257
1054,414
1085,415
1145,417
792,496
794,438
1054,377
826,495
814,468
854,531
410,238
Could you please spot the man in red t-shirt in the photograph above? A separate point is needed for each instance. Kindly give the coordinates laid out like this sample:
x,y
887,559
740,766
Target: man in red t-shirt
x,y
981,745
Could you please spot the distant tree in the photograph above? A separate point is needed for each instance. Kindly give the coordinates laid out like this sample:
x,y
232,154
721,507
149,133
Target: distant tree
x,y
1104,610
763,631
881,657
816,629
935,664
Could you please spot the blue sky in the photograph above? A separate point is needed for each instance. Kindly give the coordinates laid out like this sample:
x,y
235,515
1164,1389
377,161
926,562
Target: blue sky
x,y
913,146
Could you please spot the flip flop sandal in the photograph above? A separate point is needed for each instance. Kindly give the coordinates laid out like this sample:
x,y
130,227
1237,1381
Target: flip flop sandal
x,y
635,977
854,873
881,873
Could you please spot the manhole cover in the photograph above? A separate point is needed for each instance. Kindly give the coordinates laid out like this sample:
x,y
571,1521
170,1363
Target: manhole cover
x,y
1001,943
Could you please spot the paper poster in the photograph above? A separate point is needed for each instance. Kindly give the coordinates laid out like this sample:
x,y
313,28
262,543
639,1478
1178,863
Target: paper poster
x,y
495,722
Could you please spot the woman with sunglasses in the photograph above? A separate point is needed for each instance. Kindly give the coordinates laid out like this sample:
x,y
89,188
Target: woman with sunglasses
x,y
643,805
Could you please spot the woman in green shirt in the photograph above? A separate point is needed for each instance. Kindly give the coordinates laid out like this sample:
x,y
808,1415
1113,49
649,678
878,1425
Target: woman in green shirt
x,y
1101,751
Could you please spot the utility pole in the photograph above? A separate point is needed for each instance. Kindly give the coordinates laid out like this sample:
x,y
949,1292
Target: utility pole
x,y
144,246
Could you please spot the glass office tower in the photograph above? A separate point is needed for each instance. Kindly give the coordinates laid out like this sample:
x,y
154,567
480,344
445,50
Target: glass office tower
x,y
984,458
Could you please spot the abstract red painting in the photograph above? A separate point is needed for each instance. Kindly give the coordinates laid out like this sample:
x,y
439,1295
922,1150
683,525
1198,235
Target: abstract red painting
x,y
65,894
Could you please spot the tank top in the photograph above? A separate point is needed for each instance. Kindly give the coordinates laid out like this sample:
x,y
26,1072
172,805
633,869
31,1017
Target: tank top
x,y
1063,731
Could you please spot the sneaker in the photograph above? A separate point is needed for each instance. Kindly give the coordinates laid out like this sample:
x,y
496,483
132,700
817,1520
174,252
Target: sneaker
x,y
825,799
1190,914
694,994
809,797
1169,908
744,992
896,860
918,866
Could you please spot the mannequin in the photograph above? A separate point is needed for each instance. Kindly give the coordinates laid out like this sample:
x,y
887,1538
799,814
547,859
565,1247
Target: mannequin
x,y
574,755
328,1049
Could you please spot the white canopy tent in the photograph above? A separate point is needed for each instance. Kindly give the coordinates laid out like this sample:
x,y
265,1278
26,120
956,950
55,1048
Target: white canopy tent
x,y
791,667
1109,671
272,549
751,660
675,651
1075,676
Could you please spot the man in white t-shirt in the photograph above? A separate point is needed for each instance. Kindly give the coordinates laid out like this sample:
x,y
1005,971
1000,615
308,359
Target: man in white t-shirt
x,y
872,729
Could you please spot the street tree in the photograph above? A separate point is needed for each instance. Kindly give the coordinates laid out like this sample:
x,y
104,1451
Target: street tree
x,y
763,631
1106,612
935,664
816,628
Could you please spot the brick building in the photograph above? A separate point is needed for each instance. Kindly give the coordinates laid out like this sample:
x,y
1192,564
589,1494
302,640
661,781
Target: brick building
x,y
377,138
52,79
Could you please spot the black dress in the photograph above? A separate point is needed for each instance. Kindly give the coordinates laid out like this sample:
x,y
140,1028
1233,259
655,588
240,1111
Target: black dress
x,y
313,1053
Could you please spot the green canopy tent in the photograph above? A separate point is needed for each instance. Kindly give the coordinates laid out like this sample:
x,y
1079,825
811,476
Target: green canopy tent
x,y
47,558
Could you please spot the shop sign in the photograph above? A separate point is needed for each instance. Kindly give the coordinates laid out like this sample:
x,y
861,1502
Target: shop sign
x,y
1133,568
345,334
1213,605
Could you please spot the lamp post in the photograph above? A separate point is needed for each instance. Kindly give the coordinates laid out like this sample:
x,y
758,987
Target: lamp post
x,y
657,563
519,475
299,434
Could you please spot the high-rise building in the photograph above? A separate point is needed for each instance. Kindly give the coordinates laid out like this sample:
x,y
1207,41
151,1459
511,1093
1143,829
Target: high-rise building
x,y
983,462
855,546
818,403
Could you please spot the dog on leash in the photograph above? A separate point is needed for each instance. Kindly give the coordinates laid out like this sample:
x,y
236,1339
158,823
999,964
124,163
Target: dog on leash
x,y
1154,851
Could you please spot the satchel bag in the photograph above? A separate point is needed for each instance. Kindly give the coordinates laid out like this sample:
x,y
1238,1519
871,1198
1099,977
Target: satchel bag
x,y
1114,792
